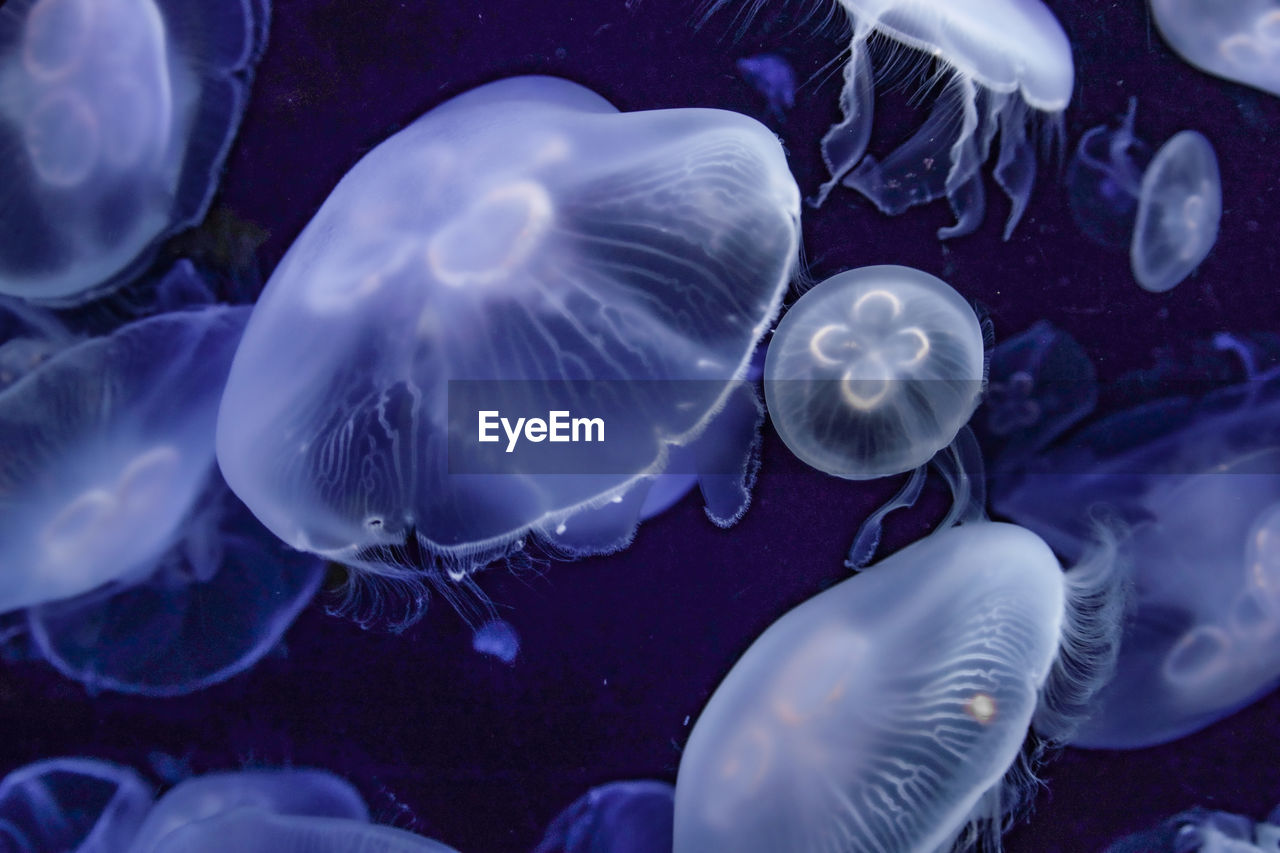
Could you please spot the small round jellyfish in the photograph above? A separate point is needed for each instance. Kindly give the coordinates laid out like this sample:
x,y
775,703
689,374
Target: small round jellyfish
x,y
1167,211
1009,66
1239,41
524,232
118,114
891,711
620,817
498,639
874,371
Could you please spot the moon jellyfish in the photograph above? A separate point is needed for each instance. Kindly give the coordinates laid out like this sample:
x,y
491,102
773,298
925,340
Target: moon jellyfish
x,y
268,812
891,712
137,570
1166,211
118,114
1007,66
872,373
620,817
77,805
773,77
1206,831
1239,41
562,261
498,639
1196,485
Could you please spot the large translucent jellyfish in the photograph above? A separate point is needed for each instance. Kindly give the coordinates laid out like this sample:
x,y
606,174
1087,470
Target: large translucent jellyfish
x,y
620,817
138,571
1008,67
273,811
1239,41
519,250
75,805
872,373
1165,208
891,712
1196,485
118,115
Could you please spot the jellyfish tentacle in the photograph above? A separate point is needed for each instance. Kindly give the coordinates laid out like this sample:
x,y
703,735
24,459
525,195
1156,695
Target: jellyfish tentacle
x,y
846,142
867,540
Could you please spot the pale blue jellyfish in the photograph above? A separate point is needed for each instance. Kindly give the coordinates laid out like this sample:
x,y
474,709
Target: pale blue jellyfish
x,y
1239,41
137,570
1008,68
117,115
519,254
872,373
71,805
620,817
274,811
1200,830
1195,485
497,638
891,712
1165,208
771,76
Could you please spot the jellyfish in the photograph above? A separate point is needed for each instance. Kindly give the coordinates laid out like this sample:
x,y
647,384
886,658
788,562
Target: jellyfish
x,y
620,817
394,402
269,810
771,76
497,638
1041,384
1166,208
77,805
891,712
1237,41
1008,67
119,114
1200,829
136,568
1195,485
872,373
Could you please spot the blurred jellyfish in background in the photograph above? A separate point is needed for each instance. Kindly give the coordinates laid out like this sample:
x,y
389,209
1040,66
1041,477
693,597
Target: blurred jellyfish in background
x,y
498,639
1200,830
872,373
135,567
771,76
119,114
1041,384
1008,68
75,805
1239,41
1196,485
1165,208
891,712
564,257
620,817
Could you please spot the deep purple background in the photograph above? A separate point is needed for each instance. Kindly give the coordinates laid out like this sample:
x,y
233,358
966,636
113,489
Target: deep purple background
x,y
619,652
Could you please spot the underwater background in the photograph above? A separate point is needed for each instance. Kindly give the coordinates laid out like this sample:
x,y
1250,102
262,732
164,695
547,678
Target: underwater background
x,y
619,654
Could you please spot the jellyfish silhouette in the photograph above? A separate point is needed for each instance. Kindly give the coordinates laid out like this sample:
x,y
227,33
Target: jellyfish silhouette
x,y
138,571
1165,208
1195,483
564,258
77,805
120,114
1237,41
891,712
1008,67
1200,829
620,817
872,373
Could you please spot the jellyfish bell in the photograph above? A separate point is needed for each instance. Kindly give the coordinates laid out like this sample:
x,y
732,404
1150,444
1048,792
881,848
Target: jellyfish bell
x,y
1237,41
874,372
120,114
1179,208
629,263
79,805
1009,68
891,711
621,817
